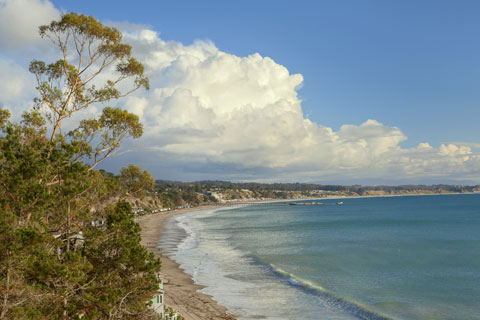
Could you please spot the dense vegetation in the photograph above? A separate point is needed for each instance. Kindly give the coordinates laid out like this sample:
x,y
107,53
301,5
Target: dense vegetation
x,y
212,191
311,186
56,262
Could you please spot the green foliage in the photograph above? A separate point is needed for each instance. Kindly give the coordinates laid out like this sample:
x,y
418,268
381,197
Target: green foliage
x,y
191,197
135,181
53,265
68,85
107,133
125,273
4,116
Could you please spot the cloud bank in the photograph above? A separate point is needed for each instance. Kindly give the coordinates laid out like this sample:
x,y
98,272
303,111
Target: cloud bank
x,y
19,37
212,114
17,85
244,113
19,22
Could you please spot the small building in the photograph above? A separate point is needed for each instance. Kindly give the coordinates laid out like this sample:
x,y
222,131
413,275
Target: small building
x,y
158,301
96,223
137,210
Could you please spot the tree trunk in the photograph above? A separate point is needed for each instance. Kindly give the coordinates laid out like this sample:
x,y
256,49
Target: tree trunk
x,y
5,296
27,220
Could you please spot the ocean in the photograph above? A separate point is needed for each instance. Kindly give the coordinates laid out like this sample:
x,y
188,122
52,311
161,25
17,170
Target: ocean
x,y
403,257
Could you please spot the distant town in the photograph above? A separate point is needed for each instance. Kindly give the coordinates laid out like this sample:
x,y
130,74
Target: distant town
x,y
169,195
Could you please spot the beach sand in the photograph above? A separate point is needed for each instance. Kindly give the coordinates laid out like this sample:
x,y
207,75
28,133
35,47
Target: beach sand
x,y
181,293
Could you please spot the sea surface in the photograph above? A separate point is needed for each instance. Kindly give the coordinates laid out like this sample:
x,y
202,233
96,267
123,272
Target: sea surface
x,y
404,257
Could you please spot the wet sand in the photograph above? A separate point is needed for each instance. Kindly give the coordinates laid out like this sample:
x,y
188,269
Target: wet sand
x,y
181,293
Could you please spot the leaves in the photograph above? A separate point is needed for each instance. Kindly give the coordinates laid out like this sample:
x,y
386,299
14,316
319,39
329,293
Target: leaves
x,y
55,264
52,264
4,116
89,49
98,139
135,181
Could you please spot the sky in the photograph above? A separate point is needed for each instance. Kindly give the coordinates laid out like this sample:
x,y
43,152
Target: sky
x,y
369,92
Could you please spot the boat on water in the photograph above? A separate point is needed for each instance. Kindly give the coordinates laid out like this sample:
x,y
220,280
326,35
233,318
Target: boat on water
x,y
340,202
306,203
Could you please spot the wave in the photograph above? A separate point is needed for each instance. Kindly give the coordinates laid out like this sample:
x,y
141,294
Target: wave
x,y
351,307
194,260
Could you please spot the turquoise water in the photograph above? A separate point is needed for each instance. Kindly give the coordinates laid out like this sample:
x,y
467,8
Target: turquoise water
x,y
414,257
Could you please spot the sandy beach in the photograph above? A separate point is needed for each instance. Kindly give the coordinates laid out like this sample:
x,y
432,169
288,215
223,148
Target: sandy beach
x,y
181,293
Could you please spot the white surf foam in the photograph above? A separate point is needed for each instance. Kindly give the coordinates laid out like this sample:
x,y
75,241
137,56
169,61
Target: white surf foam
x,y
237,282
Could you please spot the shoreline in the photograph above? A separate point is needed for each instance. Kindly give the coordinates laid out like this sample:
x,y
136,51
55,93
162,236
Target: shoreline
x,y
181,293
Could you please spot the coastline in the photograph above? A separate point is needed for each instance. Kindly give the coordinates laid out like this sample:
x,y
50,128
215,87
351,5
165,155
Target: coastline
x,y
181,293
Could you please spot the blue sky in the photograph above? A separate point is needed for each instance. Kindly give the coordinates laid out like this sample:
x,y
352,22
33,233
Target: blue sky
x,y
411,64
324,91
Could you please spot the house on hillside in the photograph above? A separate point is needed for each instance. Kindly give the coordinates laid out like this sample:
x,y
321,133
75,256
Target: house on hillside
x,y
158,301
96,223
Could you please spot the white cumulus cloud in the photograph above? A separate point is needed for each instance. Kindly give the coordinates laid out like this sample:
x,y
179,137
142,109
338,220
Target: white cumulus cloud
x,y
20,19
17,87
210,106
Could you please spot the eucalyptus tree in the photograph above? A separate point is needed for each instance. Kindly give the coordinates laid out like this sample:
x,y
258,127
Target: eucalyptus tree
x,y
52,264
89,52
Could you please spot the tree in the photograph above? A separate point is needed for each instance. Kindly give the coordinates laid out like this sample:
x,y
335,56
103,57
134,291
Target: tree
x,y
52,264
191,197
122,277
135,181
36,266
88,49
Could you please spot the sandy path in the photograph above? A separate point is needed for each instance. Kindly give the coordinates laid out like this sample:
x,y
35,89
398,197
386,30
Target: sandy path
x,y
180,291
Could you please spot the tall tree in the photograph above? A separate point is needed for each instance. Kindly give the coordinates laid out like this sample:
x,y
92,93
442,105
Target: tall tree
x,y
88,50
53,265
135,181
